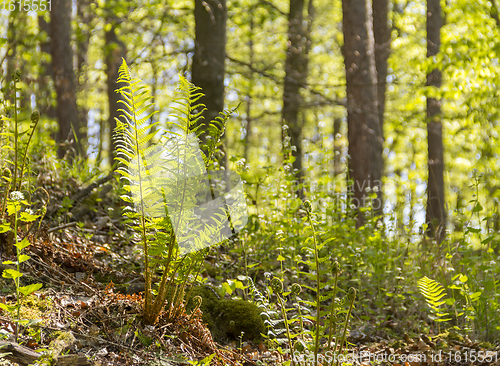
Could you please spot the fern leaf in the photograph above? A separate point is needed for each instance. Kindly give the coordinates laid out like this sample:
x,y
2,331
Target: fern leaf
x,y
434,293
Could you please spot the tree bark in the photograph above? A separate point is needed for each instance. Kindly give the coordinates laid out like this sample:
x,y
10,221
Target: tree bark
x,y
11,53
208,69
296,65
382,36
64,77
84,17
115,51
248,126
44,99
364,133
435,212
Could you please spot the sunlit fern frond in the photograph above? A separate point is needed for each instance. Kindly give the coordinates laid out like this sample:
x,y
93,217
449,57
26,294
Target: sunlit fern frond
x,y
434,293
214,131
135,152
188,117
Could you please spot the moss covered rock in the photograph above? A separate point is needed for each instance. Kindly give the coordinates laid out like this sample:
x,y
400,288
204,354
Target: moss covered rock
x,y
239,318
227,319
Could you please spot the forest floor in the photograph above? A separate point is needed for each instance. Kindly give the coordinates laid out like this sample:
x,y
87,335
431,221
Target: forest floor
x,y
83,269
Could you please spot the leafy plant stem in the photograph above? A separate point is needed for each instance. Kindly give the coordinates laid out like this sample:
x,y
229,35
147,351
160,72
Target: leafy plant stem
x,y
14,77
288,334
352,292
332,325
318,282
35,117
5,196
16,280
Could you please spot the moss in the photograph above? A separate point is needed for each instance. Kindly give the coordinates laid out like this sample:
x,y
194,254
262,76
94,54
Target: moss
x,y
35,307
398,344
455,336
62,341
227,319
237,318
487,345
208,304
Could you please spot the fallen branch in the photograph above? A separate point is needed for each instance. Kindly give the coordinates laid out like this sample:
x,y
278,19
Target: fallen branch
x,y
83,192
26,356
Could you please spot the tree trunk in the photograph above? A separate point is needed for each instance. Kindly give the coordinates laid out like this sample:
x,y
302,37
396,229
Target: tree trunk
x,y
84,18
248,126
295,77
44,98
382,36
435,212
11,56
64,77
115,51
364,133
208,68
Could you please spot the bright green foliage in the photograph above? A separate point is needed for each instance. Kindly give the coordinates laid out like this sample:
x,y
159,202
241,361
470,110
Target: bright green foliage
x,y
14,207
162,181
434,294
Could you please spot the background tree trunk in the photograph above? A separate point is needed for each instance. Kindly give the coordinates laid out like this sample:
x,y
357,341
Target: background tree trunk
x,y
64,76
44,99
208,68
84,20
435,213
248,126
295,77
364,133
382,36
11,53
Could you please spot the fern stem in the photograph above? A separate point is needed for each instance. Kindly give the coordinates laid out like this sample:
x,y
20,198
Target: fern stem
x,y
318,282
35,117
16,280
288,334
332,326
352,292
6,195
147,273
14,185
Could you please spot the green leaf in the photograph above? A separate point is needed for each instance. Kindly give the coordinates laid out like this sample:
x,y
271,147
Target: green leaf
x,y
146,341
239,285
11,273
23,258
472,230
450,301
9,308
228,288
487,240
4,228
27,217
22,244
26,290
477,208
13,208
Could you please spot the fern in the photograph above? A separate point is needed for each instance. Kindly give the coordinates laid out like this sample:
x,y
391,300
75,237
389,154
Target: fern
x,y
434,294
179,207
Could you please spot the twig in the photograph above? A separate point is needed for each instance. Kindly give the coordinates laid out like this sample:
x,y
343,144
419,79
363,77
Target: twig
x,y
60,227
